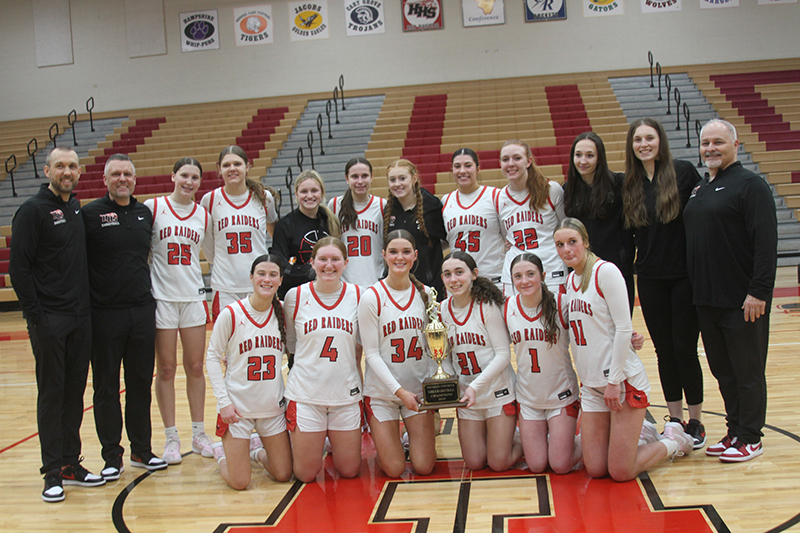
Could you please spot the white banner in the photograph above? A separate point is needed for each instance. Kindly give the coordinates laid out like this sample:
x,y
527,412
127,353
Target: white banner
x,y
770,2
364,17
199,31
541,10
659,6
253,25
599,8
422,15
483,12
308,20
713,4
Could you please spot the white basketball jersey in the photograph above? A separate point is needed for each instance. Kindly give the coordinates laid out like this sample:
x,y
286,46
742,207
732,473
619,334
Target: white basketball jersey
x,y
251,340
532,231
472,352
239,231
364,242
175,242
545,377
473,226
325,329
592,330
400,317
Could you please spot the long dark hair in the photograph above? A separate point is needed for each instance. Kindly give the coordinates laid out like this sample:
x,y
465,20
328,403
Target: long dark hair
x,y
549,306
191,161
668,203
582,199
403,234
483,290
347,213
277,307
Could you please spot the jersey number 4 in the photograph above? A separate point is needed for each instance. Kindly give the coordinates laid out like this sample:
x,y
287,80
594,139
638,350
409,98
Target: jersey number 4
x,y
399,355
179,254
329,351
239,243
467,360
468,241
359,246
260,368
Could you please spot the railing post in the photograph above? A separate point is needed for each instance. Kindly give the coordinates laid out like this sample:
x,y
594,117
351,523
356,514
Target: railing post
x,y
72,118
33,154
336,102
10,172
289,180
697,128
310,143
341,90
658,71
677,109
53,137
328,106
89,107
300,158
687,115
650,59
668,83
319,133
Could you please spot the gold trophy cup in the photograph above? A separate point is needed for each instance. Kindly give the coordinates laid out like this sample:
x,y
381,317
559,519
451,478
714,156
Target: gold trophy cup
x,y
439,391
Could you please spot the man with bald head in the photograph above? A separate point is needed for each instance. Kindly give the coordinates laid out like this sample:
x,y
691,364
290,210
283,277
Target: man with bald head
x,y
732,241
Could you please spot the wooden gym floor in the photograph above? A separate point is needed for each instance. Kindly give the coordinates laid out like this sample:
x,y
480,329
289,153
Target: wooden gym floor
x,y
695,493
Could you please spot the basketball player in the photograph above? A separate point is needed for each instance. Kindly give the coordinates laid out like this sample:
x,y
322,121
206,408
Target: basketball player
x,y
390,316
251,335
530,207
180,227
482,359
471,219
361,218
324,385
242,213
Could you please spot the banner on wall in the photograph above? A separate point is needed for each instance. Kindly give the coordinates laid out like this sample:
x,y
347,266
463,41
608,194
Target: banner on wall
x,y
483,12
770,2
308,20
253,25
364,17
713,4
540,10
659,6
419,15
600,8
199,31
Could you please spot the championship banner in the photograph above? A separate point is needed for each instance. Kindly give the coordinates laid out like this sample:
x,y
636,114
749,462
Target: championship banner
x,y
364,17
308,20
199,31
659,6
253,25
599,8
713,4
540,10
483,12
770,2
419,15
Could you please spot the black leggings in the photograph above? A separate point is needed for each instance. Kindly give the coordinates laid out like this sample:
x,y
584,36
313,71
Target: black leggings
x,y
671,319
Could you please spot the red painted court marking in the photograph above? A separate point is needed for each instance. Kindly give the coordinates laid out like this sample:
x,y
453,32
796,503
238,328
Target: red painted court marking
x,y
14,336
783,292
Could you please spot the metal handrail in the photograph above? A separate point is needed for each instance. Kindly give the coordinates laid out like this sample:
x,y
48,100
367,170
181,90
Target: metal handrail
x,y
72,118
668,83
650,59
319,132
687,114
658,71
289,181
677,109
89,109
10,172
32,154
300,158
697,127
310,143
341,90
328,106
53,137
336,102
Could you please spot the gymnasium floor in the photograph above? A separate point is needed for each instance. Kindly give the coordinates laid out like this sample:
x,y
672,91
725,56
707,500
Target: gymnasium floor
x,y
691,494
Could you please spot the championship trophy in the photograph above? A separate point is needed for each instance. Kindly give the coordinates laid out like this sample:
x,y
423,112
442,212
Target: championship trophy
x,y
439,391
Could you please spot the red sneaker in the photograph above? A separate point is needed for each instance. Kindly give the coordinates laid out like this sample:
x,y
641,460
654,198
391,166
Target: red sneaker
x,y
715,450
741,452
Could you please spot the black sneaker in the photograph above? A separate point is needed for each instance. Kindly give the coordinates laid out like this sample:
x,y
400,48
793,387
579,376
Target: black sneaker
x,y
113,469
697,431
148,461
77,475
53,490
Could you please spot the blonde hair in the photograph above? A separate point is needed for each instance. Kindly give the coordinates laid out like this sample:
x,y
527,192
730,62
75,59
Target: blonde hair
x,y
589,259
332,225
538,186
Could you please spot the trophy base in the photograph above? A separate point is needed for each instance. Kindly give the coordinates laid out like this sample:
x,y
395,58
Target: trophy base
x,y
440,394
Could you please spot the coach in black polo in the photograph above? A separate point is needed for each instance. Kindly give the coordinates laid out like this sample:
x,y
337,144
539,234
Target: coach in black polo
x,y
123,317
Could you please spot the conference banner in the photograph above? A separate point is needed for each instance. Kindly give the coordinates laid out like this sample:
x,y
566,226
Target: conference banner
x,y
483,12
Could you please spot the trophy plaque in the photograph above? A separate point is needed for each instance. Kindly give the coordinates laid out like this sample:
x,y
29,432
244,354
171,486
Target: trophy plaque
x,y
439,391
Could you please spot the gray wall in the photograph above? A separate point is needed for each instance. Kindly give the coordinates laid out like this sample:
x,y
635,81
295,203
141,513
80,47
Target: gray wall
x,y
102,68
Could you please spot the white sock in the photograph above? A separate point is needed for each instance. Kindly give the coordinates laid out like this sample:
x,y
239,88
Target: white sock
x,y
672,446
198,428
171,431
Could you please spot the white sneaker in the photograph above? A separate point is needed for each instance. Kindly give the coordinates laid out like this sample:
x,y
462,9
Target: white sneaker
x,y
649,433
172,451
255,442
674,431
218,451
202,444
254,456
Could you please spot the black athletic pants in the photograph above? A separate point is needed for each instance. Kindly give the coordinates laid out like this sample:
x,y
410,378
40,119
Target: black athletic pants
x,y
671,319
737,356
61,345
123,337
